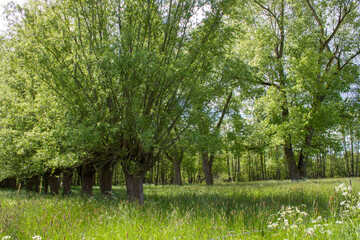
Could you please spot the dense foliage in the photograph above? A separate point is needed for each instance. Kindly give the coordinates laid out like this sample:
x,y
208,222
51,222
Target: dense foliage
x,y
125,92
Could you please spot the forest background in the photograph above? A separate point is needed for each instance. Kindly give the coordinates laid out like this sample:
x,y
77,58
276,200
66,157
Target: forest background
x,y
172,92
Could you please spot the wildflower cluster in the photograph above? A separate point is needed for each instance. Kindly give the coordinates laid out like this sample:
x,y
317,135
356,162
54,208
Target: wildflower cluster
x,y
288,217
343,204
345,200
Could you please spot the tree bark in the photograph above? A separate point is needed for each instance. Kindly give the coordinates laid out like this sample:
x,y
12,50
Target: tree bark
x,y
352,156
228,166
54,183
177,172
32,184
67,177
290,160
105,178
262,166
87,179
45,182
331,163
134,187
207,168
238,169
346,155
357,158
176,159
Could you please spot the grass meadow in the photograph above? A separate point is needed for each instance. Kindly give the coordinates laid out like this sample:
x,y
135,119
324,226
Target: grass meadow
x,y
312,209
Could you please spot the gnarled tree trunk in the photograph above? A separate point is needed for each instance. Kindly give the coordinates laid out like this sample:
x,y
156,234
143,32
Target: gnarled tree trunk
x,y
88,175
134,186
105,177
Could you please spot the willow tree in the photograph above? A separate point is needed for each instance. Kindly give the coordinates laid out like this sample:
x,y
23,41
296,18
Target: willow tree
x,y
31,126
125,70
304,53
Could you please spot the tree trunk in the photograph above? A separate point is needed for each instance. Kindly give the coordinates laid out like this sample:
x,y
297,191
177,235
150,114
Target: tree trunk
x,y
32,184
324,166
79,174
177,172
157,169
290,160
346,156
134,187
54,182
357,158
207,168
262,166
249,172
331,163
352,156
87,179
45,182
67,177
105,178
228,167
238,169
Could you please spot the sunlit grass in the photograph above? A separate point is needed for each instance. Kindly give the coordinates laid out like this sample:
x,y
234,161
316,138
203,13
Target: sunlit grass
x,y
227,210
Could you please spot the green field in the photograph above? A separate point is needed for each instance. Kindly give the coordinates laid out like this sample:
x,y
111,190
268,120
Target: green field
x,y
310,209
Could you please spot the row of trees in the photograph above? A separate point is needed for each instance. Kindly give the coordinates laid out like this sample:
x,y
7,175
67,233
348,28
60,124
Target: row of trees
x,y
235,88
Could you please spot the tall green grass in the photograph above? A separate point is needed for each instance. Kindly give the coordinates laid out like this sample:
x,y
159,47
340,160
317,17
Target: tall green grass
x,y
256,210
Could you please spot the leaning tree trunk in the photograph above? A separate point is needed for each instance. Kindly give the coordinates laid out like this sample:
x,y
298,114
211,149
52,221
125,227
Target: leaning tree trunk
x,y
67,177
88,175
105,178
207,168
134,186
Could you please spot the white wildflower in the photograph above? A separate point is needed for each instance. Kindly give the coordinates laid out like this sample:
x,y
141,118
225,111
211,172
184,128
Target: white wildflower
x,y
294,226
339,222
36,237
272,225
310,231
304,213
6,237
342,203
286,222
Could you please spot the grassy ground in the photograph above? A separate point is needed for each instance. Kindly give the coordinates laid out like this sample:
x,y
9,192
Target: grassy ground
x,y
259,210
